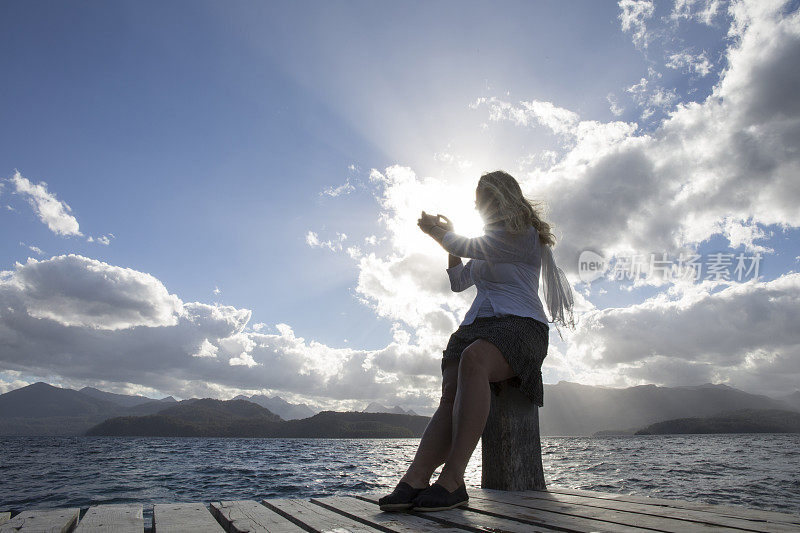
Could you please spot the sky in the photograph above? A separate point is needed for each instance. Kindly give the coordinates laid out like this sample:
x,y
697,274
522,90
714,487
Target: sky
x,y
205,199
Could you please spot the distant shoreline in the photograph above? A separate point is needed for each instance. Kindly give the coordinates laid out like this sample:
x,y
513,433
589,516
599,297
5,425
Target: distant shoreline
x,y
571,409
740,422
603,436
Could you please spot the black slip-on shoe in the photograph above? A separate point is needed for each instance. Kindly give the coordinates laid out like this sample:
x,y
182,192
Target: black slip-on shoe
x,y
400,498
437,498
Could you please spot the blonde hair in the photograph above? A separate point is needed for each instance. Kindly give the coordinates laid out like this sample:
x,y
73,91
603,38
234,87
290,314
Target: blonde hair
x,y
508,205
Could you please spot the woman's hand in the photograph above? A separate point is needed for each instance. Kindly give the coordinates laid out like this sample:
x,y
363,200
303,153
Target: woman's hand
x,y
427,222
444,222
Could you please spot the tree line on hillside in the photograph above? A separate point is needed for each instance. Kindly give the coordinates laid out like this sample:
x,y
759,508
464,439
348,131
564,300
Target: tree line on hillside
x,y
235,418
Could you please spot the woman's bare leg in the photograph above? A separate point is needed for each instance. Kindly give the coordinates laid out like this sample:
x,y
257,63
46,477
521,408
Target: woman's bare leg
x,y
435,443
481,363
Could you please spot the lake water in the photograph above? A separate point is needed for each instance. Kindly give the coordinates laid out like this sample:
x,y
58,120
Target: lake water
x,y
757,471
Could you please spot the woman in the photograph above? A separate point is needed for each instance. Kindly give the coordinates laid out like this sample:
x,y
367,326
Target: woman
x,y
502,339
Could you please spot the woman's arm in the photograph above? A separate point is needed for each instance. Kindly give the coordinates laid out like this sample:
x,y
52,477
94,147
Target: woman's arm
x,y
438,233
460,275
493,246
453,260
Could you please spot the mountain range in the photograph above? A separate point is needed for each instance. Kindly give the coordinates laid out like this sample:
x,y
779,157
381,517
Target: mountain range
x,y
570,409
375,407
792,400
241,418
739,421
42,409
279,406
575,409
125,400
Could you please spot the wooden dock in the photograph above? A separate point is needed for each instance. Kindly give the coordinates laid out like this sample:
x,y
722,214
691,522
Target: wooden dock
x,y
555,509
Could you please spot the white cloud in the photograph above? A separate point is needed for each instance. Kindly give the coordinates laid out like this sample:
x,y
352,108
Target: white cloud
x,y
243,359
634,16
89,322
744,233
723,166
613,104
688,62
51,210
354,251
639,88
744,334
557,119
449,158
403,288
703,11
105,240
663,98
343,189
313,240
206,349
648,94
76,291
34,249
7,386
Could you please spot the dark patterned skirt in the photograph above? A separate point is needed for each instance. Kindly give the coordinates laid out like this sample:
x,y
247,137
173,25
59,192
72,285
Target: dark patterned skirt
x,y
523,342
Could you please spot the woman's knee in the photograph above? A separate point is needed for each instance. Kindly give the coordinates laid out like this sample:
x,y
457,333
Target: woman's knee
x,y
472,360
483,358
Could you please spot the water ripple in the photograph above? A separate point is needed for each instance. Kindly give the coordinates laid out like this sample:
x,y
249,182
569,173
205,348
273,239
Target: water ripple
x,y
757,471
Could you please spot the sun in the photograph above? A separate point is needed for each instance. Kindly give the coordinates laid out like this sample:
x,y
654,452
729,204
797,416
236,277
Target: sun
x,y
466,219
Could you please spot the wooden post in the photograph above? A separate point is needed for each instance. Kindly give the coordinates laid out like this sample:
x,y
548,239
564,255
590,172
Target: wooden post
x,y
510,445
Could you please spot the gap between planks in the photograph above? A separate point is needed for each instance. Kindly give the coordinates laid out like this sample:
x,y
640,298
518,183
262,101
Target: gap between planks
x,y
726,510
478,511
641,515
451,521
554,509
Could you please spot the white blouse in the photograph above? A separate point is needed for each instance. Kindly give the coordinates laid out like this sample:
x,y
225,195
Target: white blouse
x,y
505,269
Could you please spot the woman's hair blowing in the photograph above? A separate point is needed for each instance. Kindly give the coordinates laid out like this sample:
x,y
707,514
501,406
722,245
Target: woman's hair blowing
x,y
506,203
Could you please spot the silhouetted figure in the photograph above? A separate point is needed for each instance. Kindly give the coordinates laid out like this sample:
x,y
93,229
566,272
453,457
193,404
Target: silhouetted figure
x,y
502,340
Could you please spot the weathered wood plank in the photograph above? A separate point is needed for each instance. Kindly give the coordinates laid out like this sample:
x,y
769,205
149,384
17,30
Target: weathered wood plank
x,y
689,515
466,519
402,522
248,515
462,518
119,518
44,520
551,518
674,522
310,515
182,517
518,518
727,510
